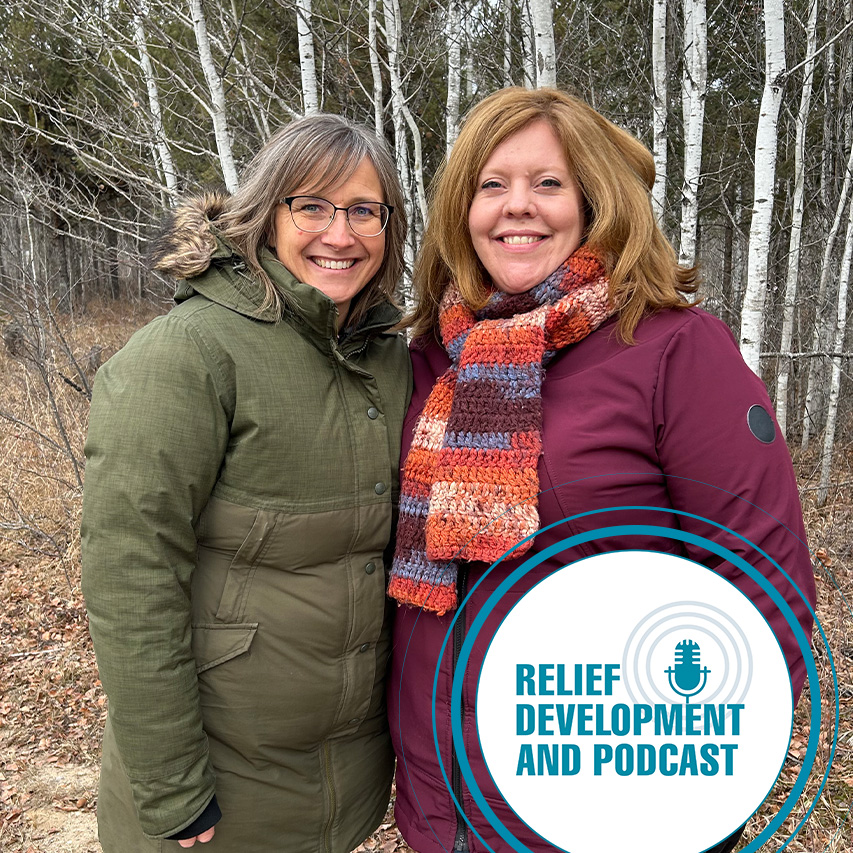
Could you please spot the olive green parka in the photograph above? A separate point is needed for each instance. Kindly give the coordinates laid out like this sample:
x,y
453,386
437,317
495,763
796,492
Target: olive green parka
x,y
241,476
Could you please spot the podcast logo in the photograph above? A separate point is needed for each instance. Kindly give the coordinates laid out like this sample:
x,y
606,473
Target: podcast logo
x,y
639,684
689,678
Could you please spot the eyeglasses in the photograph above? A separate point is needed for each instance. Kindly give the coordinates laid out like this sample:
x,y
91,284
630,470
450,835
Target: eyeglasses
x,y
312,214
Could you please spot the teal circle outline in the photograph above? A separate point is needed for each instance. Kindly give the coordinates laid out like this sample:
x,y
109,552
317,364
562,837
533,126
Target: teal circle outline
x,y
670,533
695,563
667,533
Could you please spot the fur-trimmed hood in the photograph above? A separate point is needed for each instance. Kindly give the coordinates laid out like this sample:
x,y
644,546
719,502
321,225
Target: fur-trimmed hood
x,y
187,243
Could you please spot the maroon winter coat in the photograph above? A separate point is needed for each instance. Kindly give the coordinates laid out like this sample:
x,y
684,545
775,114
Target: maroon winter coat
x,y
659,424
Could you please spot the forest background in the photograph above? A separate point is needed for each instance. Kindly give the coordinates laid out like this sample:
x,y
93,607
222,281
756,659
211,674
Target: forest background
x,y
112,109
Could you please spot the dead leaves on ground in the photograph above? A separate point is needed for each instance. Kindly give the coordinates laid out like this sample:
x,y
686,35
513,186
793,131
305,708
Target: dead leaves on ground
x,y
51,710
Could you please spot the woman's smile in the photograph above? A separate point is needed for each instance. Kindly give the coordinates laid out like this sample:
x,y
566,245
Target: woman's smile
x,y
527,216
337,261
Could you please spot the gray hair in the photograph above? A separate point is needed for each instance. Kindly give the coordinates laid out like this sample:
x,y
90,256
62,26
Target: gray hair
x,y
315,153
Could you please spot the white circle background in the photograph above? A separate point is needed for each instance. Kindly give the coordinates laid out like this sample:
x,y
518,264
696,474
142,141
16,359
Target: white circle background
x,y
585,614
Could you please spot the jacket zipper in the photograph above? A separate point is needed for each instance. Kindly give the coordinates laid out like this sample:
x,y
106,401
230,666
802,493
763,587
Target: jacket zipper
x,y
460,840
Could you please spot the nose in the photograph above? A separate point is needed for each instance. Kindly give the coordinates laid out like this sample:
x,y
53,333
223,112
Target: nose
x,y
338,234
519,200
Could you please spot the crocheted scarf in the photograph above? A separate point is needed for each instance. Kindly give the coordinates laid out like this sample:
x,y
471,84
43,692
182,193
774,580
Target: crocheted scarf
x,y
470,482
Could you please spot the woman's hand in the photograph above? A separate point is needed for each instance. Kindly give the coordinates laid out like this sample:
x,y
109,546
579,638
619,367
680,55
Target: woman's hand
x,y
203,838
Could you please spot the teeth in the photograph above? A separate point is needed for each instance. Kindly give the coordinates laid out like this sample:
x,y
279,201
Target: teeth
x,y
520,240
333,265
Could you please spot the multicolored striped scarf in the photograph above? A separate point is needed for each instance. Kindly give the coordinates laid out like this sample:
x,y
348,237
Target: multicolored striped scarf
x,y
470,482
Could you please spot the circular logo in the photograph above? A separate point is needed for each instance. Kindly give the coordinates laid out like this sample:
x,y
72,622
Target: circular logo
x,y
636,683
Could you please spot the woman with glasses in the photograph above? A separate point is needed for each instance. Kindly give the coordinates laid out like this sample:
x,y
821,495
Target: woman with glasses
x,y
242,468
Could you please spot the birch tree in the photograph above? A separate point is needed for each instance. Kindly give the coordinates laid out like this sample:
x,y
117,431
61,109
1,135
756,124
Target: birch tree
x,y
398,105
375,68
217,97
660,100
838,348
509,37
527,45
541,14
693,89
161,146
454,71
821,301
307,65
797,209
766,141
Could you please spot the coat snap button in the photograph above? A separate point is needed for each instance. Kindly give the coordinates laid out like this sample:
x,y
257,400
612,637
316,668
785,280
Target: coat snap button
x,y
364,647
354,721
373,413
370,568
379,488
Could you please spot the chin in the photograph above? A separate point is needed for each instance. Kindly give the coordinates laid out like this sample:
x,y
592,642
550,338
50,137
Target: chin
x,y
514,288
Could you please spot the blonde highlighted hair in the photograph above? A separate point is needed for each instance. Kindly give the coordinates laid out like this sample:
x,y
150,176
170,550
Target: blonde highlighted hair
x,y
314,154
614,172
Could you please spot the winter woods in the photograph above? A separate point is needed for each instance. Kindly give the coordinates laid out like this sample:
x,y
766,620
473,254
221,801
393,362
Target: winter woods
x,y
111,110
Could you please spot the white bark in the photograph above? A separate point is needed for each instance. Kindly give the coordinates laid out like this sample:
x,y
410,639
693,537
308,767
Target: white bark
x,y
693,89
659,107
793,272
161,145
375,68
542,16
454,71
401,150
467,42
766,140
829,87
217,97
825,269
508,39
838,348
527,48
307,65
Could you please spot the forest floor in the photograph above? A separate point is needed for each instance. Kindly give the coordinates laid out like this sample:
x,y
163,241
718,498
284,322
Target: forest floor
x,y
52,707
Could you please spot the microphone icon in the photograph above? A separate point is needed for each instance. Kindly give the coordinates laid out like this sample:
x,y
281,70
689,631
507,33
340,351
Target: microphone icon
x,y
685,674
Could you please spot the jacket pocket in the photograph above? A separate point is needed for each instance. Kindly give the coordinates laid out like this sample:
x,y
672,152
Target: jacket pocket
x,y
238,581
215,644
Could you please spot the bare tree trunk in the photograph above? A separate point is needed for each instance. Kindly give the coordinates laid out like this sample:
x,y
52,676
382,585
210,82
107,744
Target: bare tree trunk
x,y
217,97
693,89
161,145
467,44
307,65
401,151
541,13
527,48
820,303
375,68
838,348
766,141
454,71
508,39
659,107
826,170
792,277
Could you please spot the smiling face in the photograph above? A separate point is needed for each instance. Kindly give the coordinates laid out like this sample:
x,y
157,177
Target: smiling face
x,y
527,215
336,261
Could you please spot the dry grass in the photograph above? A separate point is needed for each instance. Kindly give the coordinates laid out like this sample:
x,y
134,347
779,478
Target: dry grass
x,y
52,708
